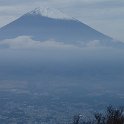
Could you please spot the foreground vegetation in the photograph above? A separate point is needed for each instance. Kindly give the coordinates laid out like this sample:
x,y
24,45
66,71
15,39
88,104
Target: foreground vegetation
x,y
111,116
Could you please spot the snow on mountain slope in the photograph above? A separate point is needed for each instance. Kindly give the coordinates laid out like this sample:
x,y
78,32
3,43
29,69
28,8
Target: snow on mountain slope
x,y
50,12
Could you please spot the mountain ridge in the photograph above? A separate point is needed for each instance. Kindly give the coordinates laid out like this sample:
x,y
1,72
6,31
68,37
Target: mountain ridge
x,y
40,25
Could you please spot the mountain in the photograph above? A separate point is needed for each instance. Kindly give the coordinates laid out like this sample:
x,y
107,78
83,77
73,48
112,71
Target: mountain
x,y
45,24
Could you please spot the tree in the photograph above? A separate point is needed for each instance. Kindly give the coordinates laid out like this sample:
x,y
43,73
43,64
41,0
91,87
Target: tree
x,y
76,119
111,116
114,115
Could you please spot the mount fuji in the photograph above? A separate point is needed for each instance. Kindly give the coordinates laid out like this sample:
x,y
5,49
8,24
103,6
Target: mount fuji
x,y
46,23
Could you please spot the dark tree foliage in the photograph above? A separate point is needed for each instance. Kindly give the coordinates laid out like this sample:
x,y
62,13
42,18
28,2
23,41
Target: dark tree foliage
x,y
111,116
76,119
114,115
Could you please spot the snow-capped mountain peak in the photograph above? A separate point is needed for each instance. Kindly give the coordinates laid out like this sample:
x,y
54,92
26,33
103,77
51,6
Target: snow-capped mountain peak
x,y
50,12
36,11
46,23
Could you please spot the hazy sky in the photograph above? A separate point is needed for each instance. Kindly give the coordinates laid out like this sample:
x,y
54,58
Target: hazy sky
x,y
106,16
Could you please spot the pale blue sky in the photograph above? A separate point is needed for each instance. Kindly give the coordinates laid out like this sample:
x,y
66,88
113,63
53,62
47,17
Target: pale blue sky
x,y
106,16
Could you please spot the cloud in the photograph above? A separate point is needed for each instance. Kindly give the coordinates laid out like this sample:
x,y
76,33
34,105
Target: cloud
x,y
26,42
95,43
